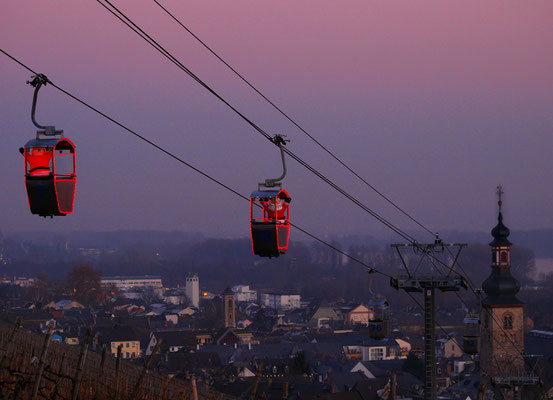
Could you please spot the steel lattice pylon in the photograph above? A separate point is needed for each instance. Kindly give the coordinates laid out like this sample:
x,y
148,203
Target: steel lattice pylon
x,y
427,283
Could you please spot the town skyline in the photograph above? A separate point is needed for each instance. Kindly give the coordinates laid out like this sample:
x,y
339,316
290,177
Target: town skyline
x,y
403,254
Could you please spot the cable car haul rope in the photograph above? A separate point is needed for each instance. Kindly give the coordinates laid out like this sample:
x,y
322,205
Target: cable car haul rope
x,y
274,206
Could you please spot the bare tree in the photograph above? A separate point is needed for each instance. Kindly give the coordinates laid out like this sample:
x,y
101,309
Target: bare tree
x,y
84,282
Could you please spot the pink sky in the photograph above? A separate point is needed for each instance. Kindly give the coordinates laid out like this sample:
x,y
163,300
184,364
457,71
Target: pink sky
x,y
434,102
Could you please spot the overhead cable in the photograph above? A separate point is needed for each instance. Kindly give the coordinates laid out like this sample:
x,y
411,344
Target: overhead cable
x,y
296,124
146,37
177,158
172,155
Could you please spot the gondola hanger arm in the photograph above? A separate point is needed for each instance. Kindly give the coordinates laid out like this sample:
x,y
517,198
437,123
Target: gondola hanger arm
x,y
37,82
280,141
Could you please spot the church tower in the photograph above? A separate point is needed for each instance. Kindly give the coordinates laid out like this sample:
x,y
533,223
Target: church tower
x,y
502,329
229,307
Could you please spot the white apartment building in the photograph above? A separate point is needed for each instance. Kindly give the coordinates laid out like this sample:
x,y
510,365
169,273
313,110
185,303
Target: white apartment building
x,y
281,302
243,293
129,282
192,289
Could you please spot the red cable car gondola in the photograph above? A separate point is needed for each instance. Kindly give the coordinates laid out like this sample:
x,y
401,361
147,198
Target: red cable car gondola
x,y
50,176
271,229
270,214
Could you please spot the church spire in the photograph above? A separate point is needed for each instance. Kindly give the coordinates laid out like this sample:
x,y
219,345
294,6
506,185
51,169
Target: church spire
x,y
501,287
502,315
500,232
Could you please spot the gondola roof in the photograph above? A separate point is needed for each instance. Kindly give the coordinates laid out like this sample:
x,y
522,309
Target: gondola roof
x,y
266,193
46,142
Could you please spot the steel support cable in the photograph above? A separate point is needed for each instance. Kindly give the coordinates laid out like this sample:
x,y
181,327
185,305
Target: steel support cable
x,y
297,125
434,258
175,157
473,290
135,28
490,313
309,135
143,138
470,284
438,325
466,305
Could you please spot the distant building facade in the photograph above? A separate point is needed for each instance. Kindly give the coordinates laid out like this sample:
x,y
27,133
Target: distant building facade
x,y
448,348
243,294
322,316
281,302
360,315
229,308
129,282
193,289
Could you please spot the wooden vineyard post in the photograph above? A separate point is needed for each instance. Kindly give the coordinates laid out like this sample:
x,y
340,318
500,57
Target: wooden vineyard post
x,y
165,386
80,365
10,340
41,364
117,370
194,389
256,383
145,369
60,370
101,372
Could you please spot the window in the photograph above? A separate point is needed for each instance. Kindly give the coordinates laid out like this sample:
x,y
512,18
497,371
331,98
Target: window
x,y
507,321
127,344
64,161
503,257
377,353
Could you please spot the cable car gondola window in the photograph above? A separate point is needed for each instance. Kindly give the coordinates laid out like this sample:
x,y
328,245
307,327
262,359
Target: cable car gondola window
x,y
64,159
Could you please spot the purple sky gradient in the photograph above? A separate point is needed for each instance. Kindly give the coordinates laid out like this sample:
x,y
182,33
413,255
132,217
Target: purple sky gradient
x,y
434,103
